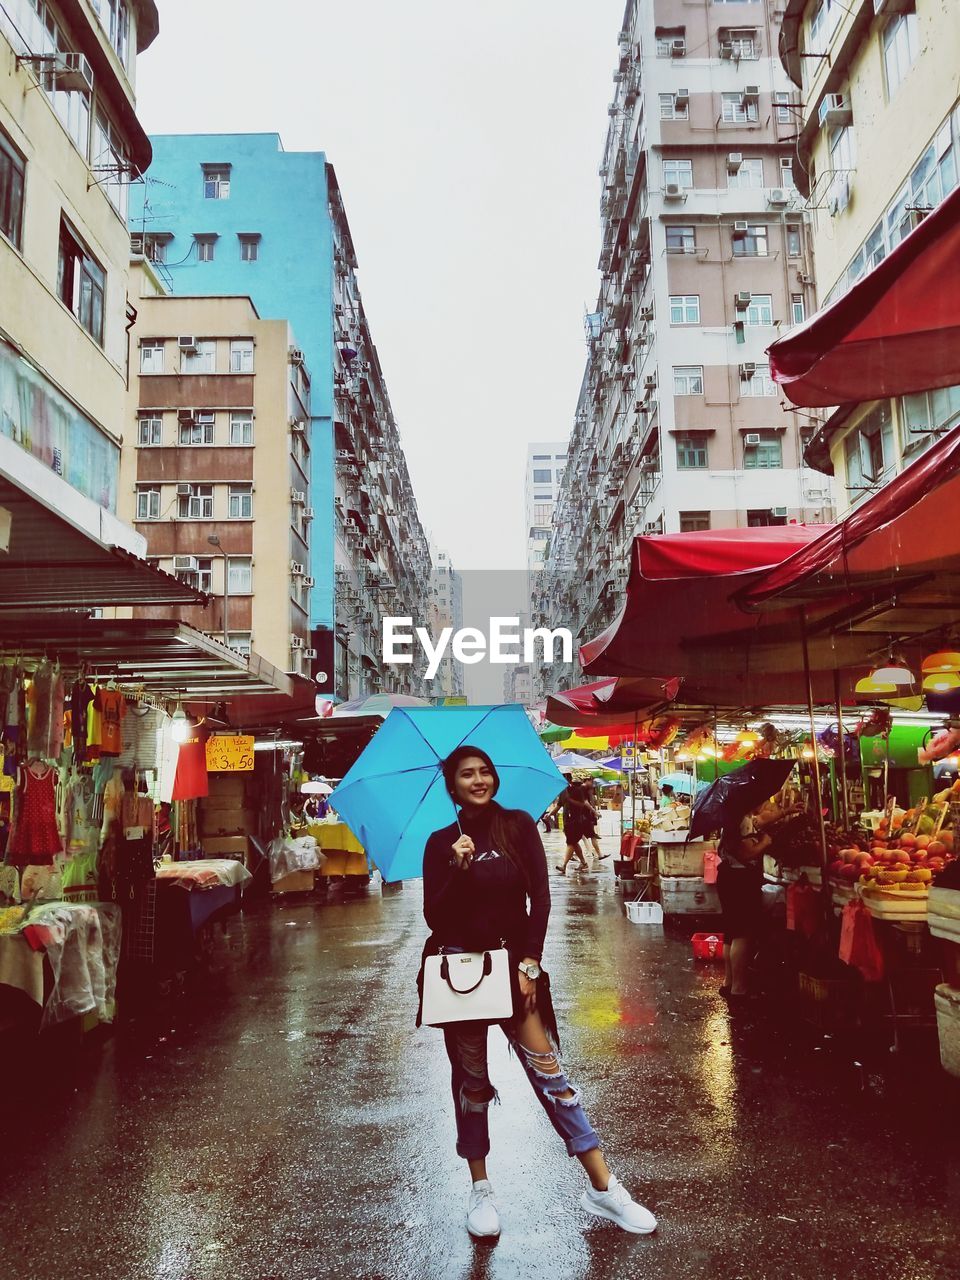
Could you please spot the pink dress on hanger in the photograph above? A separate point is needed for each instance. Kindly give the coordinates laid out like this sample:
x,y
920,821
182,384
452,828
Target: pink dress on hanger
x,y
36,838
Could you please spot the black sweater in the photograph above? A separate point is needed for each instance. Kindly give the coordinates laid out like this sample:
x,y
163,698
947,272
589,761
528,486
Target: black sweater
x,y
487,902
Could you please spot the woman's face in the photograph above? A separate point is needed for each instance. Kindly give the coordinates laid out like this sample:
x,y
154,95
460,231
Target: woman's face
x,y
473,782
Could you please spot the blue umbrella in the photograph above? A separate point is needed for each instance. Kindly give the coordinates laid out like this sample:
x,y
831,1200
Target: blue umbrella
x,y
394,796
683,783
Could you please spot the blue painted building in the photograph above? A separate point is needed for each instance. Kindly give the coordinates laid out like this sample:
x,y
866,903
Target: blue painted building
x,y
236,214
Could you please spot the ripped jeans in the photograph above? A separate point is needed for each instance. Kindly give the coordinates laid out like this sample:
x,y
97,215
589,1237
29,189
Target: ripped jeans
x,y
467,1050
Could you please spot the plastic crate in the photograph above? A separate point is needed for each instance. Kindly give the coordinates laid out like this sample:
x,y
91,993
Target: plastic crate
x,y
707,946
828,1003
683,859
644,912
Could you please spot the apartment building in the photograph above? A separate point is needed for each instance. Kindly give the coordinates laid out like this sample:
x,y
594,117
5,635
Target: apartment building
x,y
447,612
70,146
216,470
878,148
704,262
236,214
541,488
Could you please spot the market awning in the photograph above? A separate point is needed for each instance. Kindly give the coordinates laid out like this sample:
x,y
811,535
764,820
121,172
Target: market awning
x,y
895,332
892,565
167,659
611,705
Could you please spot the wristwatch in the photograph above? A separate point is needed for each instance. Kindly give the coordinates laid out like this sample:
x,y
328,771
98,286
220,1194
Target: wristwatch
x,y
532,971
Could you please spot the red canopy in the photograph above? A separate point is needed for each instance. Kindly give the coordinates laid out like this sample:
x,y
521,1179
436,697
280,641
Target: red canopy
x,y
899,547
610,706
895,332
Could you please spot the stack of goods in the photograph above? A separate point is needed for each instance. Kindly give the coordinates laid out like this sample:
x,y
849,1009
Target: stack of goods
x,y
893,869
225,818
795,847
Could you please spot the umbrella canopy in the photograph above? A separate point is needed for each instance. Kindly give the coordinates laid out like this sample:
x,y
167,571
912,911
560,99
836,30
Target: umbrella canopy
x,y
587,706
377,704
731,797
394,797
683,783
570,760
315,788
550,733
621,766
896,331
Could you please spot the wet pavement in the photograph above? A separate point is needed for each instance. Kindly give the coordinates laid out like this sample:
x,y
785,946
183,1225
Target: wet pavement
x,y
284,1118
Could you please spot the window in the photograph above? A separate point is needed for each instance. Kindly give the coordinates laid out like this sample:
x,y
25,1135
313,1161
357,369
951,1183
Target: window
x,y
688,380
241,427
240,642
206,247
241,502
794,242
81,283
694,521
759,314
216,181
691,452
785,164
12,168
542,497
148,503
783,102
681,239
110,163
678,171
541,477
542,513
541,457
763,518
901,44
744,41
765,455
666,37
240,575
202,359
249,247
151,357
824,21
202,577
797,308
669,109
685,308
198,431
926,414
149,431
869,448
751,243
735,109
197,505
241,355
758,384
155,246
749,176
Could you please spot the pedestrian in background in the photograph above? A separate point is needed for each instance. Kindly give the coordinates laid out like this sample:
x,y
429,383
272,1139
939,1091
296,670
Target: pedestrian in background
x,y
485,885
576,825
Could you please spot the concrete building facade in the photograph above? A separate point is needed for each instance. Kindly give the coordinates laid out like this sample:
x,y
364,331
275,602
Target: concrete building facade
x,y
447,612
70,146
878,148
543,473
216,470
705,261
236,214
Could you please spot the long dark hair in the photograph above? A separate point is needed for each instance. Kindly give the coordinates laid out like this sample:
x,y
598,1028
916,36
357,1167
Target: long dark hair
x,y
504,825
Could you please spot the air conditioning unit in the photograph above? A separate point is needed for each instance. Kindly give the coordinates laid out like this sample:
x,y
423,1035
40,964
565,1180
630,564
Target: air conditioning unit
x,y
185,564
803,277
308,513
752,438
777,198
651,528
734,161
295,355
650,383
310,653
741,230
136,243
648,464
298,497
726,50
298,426
835,111
309,582
681,99
781,512
678,48
646,314
185,415
72,72
187,343
344,455
747,371
673,191
296,642
297,570
184,490
742,299
751,93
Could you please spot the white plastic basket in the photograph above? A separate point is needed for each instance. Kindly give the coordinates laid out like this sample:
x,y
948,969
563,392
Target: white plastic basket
x,y
644,912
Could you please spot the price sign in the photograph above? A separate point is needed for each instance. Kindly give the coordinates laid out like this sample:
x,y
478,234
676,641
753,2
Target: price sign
x,y
230,755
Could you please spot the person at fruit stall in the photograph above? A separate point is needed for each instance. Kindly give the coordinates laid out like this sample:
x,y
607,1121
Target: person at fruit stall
x,y
667,798
742,845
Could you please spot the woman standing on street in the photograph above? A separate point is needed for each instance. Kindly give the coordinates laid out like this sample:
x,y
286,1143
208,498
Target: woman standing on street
x,y
478,876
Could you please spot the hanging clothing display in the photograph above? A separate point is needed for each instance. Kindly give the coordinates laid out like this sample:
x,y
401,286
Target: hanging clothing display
x,y
141,727
45,712
111,707
36,839
81,697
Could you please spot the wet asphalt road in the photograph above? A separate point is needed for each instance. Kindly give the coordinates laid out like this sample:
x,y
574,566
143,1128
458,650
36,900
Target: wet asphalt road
x,y
285,1119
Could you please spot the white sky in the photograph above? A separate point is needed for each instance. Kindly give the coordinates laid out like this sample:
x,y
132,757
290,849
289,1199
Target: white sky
x,y
466,139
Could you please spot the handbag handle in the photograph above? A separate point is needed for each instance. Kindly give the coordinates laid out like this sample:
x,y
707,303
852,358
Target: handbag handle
x,y
445,975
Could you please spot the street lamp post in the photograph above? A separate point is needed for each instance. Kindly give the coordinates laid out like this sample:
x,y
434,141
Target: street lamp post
x,y
214,540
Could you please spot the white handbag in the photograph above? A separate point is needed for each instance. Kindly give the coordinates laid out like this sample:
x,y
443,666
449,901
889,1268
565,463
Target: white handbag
x,y
467,986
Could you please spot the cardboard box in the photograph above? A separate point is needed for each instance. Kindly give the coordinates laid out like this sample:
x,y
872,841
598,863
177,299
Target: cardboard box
x,y
225,847
227,822
295,882
227,786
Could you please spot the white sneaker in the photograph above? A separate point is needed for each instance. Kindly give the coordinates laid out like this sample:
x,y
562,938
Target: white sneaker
x,y
618,1205
483,1220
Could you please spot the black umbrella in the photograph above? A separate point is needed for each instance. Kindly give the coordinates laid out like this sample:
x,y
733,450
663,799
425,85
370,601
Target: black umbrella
x,y
731,797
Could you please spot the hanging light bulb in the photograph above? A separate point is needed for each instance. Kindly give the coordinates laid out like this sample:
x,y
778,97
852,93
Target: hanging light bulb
x,y
807,752
179,724
683,756
748,737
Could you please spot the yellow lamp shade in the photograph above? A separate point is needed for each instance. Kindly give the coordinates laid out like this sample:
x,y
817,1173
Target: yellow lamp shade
x,y
870,687
912,703
943,661
941,682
